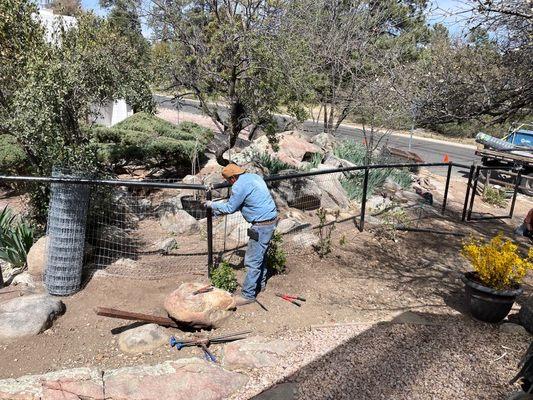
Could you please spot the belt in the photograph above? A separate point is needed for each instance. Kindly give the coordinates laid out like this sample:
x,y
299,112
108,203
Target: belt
x,y
267,222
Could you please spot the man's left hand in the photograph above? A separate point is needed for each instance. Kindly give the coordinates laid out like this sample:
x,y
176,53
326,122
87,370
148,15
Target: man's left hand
x,y
208,204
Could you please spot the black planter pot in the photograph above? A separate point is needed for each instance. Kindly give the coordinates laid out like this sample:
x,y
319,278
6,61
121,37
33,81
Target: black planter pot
x,y
487,304
194,207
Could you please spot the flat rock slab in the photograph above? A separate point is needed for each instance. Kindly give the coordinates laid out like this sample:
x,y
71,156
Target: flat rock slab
x,y
143,338
200,310
190,379
74,384
255,352
28,315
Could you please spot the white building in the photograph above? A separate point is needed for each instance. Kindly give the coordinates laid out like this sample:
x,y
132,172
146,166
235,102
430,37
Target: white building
x,y
114,111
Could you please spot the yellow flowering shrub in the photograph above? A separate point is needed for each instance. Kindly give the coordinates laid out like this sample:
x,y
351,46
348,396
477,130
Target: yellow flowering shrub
x,y
497,262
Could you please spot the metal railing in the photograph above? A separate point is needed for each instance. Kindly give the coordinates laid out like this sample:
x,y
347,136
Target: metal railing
x,y
206,192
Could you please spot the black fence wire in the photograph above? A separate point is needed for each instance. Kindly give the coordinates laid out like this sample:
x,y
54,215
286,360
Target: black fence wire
x,y
155,229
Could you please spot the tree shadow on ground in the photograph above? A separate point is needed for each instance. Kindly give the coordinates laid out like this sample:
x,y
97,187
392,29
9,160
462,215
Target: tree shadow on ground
x,y
440,358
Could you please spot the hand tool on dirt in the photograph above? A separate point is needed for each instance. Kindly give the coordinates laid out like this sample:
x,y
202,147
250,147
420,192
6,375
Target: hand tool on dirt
x,y
205,289
291,299
114,313
204,343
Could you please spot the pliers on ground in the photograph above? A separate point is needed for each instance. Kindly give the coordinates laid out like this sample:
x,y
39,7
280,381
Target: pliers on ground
x,y
291,299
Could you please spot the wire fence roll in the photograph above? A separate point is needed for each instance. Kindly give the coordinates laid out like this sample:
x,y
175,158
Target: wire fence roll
x,y
67,217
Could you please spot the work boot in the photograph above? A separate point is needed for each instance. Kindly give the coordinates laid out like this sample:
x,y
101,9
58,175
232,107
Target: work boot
x,y
242,301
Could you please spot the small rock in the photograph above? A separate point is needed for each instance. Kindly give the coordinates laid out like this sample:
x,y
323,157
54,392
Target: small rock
x,y
306,240
180,222
142,339
201,310
255,352
166,245
124,263
28,315
509,327
24,279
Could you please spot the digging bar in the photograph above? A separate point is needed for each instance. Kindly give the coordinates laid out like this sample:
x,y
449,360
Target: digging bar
x,y
114,313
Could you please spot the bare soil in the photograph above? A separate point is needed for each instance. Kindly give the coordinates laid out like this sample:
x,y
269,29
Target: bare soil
x,y
367,278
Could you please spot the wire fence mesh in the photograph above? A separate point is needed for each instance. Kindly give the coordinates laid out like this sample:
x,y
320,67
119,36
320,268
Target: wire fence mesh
x,y
156,232
147,233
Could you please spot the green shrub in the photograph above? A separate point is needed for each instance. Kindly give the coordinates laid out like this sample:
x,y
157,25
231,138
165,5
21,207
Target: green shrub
x,y
223,277
276,256
273,164
325,230
353,152
494,196
12,156
16,238
353,184
146,139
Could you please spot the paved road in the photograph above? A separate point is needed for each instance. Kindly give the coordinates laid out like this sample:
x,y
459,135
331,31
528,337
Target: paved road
x,y
430,150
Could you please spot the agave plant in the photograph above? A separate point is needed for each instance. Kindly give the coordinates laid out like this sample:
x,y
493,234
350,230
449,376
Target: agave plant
x,y
16,238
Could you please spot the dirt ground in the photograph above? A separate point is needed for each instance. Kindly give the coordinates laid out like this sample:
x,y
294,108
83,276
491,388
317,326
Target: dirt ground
x,y
366,279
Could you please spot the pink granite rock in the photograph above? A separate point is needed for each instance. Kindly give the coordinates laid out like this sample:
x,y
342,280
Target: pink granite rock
x,y
190,379
201,310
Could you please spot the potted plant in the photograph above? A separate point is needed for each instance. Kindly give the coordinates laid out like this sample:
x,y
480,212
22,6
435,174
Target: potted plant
x,y
493,286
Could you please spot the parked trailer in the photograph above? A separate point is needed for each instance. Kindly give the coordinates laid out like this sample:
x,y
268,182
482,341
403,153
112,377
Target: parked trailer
x,y
514,150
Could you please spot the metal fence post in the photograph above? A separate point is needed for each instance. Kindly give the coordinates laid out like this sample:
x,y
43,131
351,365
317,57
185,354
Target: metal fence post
x,y
445,200
474,188
467,195
1,279
517,184
209,197
363,201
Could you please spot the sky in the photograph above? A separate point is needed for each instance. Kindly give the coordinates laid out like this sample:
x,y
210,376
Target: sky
x,y
441,11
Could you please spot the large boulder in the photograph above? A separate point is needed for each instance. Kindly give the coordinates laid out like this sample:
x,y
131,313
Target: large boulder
x,y
288,225
143,339
295,148
333,193
191,379
36,259
255,352
325,141
201,310
292,149
28,315
180,222
301,193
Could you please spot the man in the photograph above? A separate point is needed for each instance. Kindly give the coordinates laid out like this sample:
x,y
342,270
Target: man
x,y
526,229
250,196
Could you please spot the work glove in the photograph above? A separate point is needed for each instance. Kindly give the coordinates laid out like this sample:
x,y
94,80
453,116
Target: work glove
x,y
208,204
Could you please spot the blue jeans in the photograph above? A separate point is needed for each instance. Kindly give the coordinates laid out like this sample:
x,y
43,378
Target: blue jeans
x,y
255,260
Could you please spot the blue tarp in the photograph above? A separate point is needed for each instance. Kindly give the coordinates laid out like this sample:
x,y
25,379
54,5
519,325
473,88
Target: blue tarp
x,y
522,138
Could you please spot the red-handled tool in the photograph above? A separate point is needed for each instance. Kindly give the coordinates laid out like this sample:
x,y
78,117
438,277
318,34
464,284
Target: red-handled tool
x,y
291,299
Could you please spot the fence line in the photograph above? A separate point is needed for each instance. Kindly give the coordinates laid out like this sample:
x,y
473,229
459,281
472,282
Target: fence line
x,y
119,246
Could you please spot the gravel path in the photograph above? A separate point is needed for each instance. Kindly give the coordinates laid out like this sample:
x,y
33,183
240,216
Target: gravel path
x,y
454,359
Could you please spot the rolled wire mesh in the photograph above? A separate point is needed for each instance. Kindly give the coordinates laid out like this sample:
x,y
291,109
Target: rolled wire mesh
x,y
147,233
66,235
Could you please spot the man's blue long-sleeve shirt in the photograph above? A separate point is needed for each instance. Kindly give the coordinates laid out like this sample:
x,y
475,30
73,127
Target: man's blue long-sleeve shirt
x,y
251,196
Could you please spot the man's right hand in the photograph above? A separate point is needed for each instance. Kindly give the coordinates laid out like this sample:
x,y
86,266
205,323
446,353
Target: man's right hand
x,y
207,203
